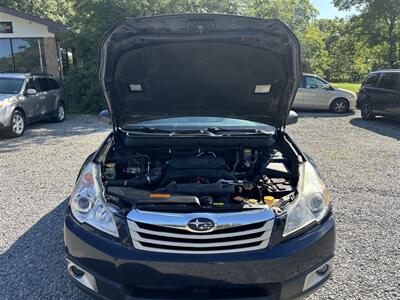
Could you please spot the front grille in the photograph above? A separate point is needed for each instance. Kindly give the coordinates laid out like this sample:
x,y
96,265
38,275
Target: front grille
x,y
169,233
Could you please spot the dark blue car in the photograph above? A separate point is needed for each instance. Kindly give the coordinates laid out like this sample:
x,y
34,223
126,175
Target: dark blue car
x,y
198,192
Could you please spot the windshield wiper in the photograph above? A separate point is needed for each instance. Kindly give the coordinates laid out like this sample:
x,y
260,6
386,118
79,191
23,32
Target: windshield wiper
x,y
146,130
155,130
235,131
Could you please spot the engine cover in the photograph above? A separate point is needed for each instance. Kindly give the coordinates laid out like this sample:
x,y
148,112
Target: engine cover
x,y
188,169
202,162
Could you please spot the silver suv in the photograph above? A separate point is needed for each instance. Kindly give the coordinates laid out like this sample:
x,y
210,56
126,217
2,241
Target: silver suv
x,y
27,98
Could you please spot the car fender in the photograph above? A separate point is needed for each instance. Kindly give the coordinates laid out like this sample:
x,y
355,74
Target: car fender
x,y
343,95
56,102
12,104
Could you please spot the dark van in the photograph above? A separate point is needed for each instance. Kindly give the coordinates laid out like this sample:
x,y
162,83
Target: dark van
x,y
380,95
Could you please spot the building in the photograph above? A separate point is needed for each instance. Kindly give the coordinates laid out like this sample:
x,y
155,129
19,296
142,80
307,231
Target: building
x,y
28,43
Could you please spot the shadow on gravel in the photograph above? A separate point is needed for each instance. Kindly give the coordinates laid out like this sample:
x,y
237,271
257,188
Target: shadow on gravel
x,y
322,114
382,126
34,266
48,133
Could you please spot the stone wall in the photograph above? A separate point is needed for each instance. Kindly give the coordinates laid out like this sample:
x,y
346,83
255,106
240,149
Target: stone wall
x,y
51,56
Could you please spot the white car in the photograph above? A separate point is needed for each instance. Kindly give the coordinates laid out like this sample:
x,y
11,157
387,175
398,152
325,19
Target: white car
x,y
315,93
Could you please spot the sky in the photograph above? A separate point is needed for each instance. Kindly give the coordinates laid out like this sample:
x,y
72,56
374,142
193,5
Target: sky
x,y
327,10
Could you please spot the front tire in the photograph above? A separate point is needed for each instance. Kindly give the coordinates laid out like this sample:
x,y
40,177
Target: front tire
x,y
18,124
366,111
60,113
340,106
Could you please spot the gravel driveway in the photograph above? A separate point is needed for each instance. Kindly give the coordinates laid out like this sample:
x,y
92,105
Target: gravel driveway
x,y
359,160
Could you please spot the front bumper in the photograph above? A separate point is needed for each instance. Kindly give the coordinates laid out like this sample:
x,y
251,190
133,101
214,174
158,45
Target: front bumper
x,y
5,116
352,105
123,272
358,103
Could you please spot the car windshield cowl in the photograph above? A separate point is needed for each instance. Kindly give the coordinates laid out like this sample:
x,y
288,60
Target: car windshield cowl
x,y
210,131
210,126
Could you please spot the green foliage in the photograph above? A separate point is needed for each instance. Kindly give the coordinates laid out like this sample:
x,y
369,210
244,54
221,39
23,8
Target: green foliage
x,y
297,14
315,57
379,25
82,90
55,10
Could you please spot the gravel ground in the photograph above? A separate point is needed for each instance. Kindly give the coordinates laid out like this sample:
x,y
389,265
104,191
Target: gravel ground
x,y
359,161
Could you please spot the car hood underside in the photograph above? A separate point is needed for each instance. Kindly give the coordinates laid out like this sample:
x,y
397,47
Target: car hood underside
x,y
199,65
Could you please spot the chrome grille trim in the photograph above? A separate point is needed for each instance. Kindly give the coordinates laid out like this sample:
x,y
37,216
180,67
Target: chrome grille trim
x,y
136,228
168,242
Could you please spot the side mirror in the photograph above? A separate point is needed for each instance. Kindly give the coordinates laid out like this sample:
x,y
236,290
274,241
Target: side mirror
x,y
31,92
105,117
328,87
293,118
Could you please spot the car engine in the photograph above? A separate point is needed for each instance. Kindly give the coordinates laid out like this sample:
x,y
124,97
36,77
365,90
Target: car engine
x,y
199,178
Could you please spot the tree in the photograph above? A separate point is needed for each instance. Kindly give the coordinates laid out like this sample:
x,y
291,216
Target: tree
x,y
57,11
297,14
379,21
315,57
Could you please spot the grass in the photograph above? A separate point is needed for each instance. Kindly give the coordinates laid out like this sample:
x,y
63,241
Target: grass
x,y
354,87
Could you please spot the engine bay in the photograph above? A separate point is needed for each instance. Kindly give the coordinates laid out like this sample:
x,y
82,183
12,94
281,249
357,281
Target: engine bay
x,y
193,179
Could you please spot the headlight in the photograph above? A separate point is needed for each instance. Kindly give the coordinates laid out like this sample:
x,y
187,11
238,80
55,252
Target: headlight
x,y
88,204
312,203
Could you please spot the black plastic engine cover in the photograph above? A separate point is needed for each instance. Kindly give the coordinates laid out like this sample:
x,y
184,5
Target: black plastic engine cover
x,y
203,162
186,169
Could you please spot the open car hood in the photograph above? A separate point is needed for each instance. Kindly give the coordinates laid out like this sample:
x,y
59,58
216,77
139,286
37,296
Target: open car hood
x,y
199,65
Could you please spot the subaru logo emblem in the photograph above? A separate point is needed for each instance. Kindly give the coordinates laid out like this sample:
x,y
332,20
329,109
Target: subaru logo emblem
x,y
201,225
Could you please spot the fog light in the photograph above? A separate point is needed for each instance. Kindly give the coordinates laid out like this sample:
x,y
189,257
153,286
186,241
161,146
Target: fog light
x,y
323,269
83,277
319,274
77,272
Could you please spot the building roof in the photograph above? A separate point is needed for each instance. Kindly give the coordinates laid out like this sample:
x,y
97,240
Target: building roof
x,y
53,27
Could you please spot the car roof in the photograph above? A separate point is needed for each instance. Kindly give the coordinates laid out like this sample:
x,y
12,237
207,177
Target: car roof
x,y
387,71
23,75
14,75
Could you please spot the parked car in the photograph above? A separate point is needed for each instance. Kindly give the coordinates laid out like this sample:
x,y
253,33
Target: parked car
x,y
26,98
380,95
199,192
315,93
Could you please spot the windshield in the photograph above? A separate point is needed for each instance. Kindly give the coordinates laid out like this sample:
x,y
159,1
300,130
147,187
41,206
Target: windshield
x,y
202,123
10,85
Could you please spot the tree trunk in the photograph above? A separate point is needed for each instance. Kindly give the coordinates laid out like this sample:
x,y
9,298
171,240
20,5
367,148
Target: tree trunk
x,y
392,41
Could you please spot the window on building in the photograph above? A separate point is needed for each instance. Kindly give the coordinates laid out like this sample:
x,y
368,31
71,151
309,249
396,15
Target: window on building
x,y
22,55
6,60
28,55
